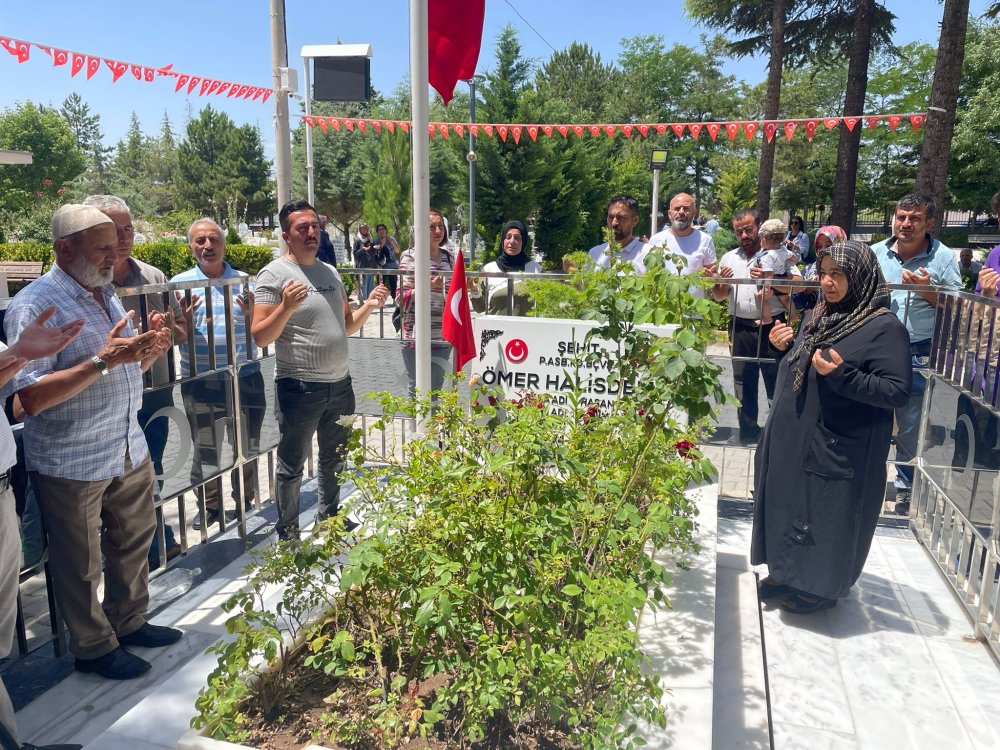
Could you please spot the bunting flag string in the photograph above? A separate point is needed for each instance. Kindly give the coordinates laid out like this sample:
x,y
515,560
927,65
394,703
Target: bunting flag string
x,y
21,50
680,130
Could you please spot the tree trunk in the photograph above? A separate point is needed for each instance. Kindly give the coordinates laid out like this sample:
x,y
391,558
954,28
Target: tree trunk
x,y
771,102
932,172
846,181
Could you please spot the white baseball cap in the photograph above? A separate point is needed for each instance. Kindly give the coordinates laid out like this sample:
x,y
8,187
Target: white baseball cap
x,y
75,217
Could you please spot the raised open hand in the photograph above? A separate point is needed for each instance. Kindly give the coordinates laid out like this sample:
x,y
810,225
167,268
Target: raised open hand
x,y
38,340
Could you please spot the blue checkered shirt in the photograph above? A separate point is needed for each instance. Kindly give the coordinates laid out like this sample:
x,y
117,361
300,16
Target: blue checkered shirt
x,y
87,436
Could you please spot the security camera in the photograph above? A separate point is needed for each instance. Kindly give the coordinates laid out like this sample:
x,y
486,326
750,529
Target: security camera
x,y
471,156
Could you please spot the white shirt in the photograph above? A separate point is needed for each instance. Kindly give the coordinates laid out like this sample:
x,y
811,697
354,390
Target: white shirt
x,y
8,449
697,249
630,253
743,297
492,285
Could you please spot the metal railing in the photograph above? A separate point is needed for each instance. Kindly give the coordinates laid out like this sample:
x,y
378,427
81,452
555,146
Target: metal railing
x,y
217,424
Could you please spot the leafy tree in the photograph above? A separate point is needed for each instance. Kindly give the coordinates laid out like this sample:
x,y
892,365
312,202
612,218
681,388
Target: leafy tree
x,y
932,174
57,159
975,162
388,190
577,77
221,169
162,169
87,129
736,189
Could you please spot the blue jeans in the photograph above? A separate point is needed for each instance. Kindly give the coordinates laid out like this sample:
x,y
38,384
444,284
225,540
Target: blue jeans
x,y
908,416
305,409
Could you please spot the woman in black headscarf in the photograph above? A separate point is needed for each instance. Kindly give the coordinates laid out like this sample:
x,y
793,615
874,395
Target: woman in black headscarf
x,y
820,464
513,258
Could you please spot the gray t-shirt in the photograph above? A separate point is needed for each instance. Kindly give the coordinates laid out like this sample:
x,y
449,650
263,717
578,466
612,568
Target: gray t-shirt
x,y
313,344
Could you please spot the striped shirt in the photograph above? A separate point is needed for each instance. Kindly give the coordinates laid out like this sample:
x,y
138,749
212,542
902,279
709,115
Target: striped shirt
x,y
86,437
437,268
212,308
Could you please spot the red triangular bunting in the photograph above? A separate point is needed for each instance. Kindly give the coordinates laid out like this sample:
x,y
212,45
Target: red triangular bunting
x,y
322,124
661,127
770,128
695,128
206,83
610,130
502,130
790,126
166,71
872,122
595,130
137,72
811,126
194,81
349,124
750,128
917,120
265,95
257,91
547,129
831,122
223,87
627,130
335,121
678,128
377,125
563,129
578,129
644,129
851,122
406,127
516,130
488,129
459,129
363,124
391,125
474,129
732,128
148,74
443,129
93,63
116,67
310,121
713,129
431,130
894,121
533,131
77,65
181,82
234,89
20,50
59,57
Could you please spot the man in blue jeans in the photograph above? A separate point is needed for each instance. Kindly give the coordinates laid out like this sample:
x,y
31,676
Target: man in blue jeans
x,y
301,307
912,256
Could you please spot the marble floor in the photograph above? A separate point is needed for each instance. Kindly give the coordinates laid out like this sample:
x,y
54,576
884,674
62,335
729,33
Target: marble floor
x,y
892,666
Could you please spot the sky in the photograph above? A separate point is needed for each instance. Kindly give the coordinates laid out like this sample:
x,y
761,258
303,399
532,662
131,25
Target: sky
x,y
230,40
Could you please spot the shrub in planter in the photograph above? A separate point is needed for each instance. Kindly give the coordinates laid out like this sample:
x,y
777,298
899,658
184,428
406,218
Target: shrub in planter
x,y
494,598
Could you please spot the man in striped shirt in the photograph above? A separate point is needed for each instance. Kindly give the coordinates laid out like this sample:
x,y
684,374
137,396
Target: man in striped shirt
x,y
206,399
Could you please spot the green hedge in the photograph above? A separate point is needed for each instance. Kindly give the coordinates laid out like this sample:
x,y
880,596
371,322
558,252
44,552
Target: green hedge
x,y
169,257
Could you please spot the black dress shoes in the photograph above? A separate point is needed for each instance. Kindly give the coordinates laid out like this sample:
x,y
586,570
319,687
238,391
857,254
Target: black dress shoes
x,y
151,636
115,665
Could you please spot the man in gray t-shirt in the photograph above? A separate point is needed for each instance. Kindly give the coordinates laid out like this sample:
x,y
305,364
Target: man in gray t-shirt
x,y
301,307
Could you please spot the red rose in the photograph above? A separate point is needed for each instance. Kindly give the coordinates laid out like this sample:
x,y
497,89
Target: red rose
x,y
684,448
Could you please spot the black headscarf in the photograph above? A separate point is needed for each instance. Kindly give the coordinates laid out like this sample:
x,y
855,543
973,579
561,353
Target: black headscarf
x,y
513,263
867,296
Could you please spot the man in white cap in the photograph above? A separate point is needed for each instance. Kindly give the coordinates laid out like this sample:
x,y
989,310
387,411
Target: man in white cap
x,y
84,450
38,340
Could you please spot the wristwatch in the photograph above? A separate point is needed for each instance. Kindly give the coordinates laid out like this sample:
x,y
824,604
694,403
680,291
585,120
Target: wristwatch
x,y
100,364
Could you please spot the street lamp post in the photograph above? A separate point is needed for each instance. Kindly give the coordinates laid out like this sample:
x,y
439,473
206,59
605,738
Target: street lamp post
x,y
471,156
657,160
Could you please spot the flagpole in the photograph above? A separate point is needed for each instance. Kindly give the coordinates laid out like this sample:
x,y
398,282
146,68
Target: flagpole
x,y
419,140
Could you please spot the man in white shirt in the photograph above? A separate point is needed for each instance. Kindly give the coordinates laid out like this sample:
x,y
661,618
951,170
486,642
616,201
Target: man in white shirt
x,y
748,338
623,215
683,240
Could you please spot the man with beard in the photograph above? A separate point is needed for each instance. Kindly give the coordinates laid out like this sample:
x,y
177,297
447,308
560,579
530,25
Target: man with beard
x,y
623,215
131,272
752,353
84,450
681,239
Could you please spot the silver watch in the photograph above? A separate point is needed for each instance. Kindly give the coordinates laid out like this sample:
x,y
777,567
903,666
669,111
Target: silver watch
x,y
100,364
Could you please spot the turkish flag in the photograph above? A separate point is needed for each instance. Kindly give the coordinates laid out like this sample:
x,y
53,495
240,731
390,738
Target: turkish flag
x,y
454,36
456,323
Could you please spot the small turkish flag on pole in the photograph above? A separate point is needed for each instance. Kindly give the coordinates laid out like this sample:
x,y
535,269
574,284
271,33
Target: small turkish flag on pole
x,y
456,323
454,36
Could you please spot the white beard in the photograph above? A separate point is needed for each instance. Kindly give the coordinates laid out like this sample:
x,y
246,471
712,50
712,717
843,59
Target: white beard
x,y
87,274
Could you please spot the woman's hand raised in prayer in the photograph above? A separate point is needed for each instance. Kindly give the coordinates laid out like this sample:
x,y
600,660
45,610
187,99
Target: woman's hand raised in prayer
x,y
781,336
825,366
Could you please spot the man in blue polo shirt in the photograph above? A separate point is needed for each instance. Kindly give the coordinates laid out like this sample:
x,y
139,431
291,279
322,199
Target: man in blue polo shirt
x,y
912,256
207,399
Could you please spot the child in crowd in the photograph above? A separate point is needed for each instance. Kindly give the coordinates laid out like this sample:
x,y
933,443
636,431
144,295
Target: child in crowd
x,y
774,260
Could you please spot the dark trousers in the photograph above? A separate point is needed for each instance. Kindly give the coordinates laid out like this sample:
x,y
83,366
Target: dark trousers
x,y
750,340
305,409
